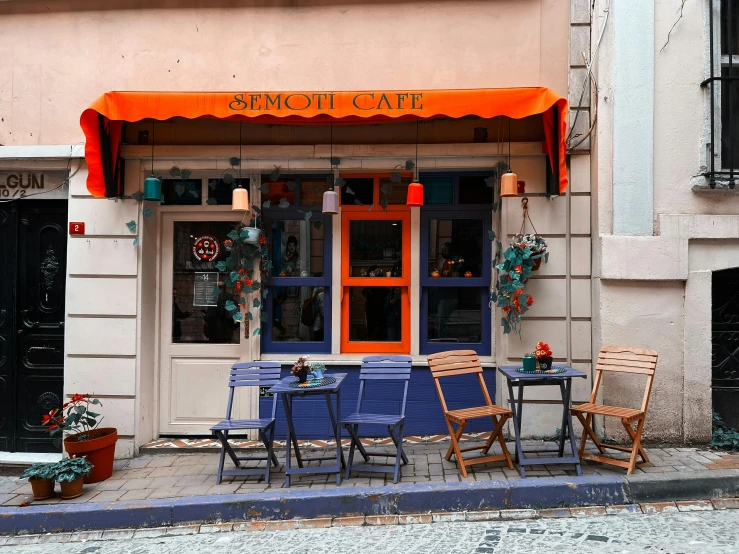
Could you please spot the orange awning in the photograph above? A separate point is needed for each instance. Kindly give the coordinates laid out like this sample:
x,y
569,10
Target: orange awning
x,y
102,122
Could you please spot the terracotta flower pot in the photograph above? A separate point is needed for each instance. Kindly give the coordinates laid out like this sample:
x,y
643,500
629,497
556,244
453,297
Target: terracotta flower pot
x,y
99,451
72,489
42,488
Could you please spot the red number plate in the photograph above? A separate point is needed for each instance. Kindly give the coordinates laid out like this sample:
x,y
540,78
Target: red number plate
x,y
76,228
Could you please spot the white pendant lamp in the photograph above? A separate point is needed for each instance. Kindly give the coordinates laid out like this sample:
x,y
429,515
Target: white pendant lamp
x,y
331,197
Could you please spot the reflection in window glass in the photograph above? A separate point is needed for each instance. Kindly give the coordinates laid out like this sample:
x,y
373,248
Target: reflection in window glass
x,y
394,193
197,314
179,192
455,247
454,314
298,314
438,190
357,191
297,248
277,190
375,248
311,191
220,192
375,314
474,190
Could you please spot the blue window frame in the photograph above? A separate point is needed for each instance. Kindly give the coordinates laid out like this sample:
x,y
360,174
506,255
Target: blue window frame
x,y
455,265
298,305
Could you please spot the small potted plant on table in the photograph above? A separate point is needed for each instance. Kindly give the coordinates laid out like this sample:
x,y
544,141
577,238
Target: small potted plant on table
x,y
41,477
300,369
71,474
87,438
544,356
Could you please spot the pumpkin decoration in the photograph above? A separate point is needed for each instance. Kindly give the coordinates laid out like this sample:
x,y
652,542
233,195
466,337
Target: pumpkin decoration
x,y
434,273
468,274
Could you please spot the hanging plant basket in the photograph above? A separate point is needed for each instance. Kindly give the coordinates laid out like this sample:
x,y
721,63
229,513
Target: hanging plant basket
x,y
251,235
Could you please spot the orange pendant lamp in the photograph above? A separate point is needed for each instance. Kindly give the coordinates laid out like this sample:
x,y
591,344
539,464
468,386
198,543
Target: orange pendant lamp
x,y
509,180
240,195
415,189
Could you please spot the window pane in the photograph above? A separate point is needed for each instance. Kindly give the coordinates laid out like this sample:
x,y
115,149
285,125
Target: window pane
x,y
311,191
179,192
438,191
725,24
375,248
394,193
455,314
456,247
197,314
277,190
729,119
220,192
297,248
473,190
357,191
375,314
298,314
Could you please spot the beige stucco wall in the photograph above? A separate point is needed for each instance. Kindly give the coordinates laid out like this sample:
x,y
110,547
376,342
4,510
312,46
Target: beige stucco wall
x,y
57,61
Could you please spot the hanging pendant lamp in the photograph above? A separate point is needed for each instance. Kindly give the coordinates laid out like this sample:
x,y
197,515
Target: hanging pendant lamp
x,y
509,180
152,185
240,195
331,197
415,189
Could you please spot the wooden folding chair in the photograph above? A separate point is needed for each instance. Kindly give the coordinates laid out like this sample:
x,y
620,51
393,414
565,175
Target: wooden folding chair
x,y
466,362
619,359
248,374
378,369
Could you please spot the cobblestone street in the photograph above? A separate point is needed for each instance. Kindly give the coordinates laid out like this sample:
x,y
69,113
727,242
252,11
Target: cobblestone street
x,y
686,533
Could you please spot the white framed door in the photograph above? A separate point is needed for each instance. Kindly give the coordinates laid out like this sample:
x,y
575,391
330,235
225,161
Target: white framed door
x,y
199,341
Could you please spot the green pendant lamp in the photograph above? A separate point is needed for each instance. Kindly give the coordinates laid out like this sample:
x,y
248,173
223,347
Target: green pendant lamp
x,y
152,185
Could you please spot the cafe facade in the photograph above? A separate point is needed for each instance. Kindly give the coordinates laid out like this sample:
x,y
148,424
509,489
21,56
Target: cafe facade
x,y
153,318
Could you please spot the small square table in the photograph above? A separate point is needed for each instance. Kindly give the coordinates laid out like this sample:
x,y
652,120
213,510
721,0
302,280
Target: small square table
x,y
564,381
287,393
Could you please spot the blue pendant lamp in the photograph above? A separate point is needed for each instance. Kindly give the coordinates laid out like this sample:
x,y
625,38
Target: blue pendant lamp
x,y
152,185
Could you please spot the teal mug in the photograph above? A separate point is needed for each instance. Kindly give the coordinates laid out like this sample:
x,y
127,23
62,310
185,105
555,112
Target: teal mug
x,y
529,363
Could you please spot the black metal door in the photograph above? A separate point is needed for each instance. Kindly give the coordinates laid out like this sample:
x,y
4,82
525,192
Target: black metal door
x,y
725,345
33,256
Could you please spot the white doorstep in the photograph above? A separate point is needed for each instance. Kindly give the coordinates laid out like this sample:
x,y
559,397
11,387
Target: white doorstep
x,y
24,459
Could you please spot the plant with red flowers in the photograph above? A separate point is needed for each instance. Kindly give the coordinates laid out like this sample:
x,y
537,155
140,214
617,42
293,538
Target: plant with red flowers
x,y
513,272
74,417
543,350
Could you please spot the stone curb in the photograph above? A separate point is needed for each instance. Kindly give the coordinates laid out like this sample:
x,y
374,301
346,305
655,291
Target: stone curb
x,y
382,505
384,520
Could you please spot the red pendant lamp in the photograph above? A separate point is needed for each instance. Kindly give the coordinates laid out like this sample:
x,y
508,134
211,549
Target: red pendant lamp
x,y
240,195
509,180
415,189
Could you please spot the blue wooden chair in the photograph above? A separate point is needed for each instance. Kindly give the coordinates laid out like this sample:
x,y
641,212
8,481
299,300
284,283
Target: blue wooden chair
x,y
248,374
379,368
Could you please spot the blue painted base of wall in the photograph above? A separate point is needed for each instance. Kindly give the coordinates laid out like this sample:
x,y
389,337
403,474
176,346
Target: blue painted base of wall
x,y
423,410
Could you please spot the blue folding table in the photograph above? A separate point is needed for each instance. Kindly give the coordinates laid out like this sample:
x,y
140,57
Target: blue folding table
x,y
564,381
287,393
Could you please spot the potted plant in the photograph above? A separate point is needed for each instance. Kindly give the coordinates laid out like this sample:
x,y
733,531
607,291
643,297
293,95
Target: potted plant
x,y
41,477
71,473
85,436
544,356
538,247
301,368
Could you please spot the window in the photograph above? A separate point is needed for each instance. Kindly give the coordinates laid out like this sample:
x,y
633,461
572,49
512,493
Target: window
x,y
375,270
455,266
220,192
298,305
182,192
723,147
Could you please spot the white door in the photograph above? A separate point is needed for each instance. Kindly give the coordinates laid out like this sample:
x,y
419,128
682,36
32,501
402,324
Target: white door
x,y
199,339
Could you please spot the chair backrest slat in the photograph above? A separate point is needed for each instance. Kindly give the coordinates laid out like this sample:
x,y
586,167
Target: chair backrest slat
x,y
456,362
252,374
384,368
626,359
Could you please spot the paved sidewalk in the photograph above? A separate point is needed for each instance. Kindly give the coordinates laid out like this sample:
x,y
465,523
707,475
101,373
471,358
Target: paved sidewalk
x,y
182,475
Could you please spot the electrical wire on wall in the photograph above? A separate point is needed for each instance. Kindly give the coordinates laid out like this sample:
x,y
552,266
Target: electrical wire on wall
x,y
588,77
60,185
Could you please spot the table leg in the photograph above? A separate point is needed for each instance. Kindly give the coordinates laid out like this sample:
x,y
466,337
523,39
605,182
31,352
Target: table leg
x,y
288,454
565,412
569,428
516,426
337,433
